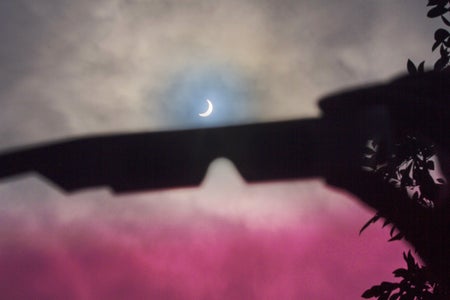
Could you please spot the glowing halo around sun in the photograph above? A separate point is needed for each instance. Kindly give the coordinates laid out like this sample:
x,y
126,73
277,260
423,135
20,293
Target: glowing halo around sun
x,y
208,111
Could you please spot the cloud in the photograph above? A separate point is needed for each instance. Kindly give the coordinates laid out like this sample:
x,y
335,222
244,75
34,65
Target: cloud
x,y
84,67
111,258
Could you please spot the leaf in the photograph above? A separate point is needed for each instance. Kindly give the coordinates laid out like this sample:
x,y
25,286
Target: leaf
x,y
421,67
368,294
411,67
443,51
436,2
372,292
397,237
409,260
388,286
437,11
386,222
384,297
395,296
371,221
381,291
391,233
441,63
404,256
435,45
401,273
439,36
445,20
406,180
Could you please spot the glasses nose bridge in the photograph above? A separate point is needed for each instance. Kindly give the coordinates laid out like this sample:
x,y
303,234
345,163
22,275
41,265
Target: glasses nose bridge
x,y
228,143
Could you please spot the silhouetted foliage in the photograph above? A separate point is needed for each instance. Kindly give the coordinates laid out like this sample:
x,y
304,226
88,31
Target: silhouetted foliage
x,y
409,169
412,69
415,283
439,8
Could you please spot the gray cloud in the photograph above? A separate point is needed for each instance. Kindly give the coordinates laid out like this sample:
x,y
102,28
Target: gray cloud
x,y
81,67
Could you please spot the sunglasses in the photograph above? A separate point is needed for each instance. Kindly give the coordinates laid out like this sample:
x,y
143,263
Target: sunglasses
x,y
328,146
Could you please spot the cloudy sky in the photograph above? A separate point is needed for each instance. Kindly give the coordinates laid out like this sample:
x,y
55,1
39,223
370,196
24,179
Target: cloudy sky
x,y
71,68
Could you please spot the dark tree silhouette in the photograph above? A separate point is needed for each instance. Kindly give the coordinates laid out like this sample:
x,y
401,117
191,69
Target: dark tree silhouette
x,y
410,169
395,177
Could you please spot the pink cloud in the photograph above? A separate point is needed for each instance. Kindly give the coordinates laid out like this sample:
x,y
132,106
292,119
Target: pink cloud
x,y
211,259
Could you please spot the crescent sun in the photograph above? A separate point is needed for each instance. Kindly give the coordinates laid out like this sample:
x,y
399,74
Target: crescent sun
x,y
208,111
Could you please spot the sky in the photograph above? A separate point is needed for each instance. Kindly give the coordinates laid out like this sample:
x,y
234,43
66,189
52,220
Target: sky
x,y
74,68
